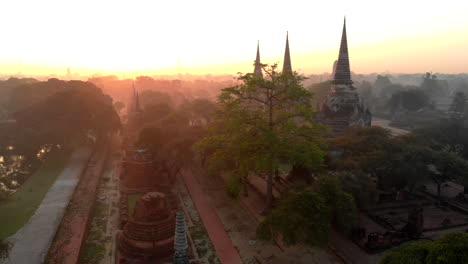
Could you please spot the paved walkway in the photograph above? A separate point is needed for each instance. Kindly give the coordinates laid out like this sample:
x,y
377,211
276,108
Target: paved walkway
x,y
31,243
225,250
386,124
68,240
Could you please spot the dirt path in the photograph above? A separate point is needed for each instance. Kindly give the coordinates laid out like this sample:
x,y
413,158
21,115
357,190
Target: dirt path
x,y
215,228
240,222
99,245
386,124
31,242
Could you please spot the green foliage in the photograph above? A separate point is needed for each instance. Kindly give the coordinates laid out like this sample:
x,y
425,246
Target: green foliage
x,y
5,247
449,248
200,111
149,97
21,205
302,215
306,213
360,185
409,253
396,161
434,87
263,122
66,118
32,92
412,100
446,135
234,184
169,133
458,105
154,112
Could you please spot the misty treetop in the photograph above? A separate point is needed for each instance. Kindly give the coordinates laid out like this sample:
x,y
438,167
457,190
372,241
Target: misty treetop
x,y
66,117
170,131
400,162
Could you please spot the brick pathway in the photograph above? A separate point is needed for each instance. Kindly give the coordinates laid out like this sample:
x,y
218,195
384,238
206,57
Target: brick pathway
x,y
225,250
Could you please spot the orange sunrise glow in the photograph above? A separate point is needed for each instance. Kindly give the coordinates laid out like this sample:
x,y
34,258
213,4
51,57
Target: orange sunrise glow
x,y
126,37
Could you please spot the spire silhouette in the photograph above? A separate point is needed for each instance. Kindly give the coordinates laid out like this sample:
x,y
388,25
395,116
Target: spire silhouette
x,y
136,99
287,58
342,74
258,67
137,103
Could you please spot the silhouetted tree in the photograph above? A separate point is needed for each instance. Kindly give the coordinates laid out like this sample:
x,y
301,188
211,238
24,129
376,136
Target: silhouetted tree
x,y
458,106
411,100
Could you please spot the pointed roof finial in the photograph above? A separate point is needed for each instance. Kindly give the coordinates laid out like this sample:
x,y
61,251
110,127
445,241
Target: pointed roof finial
x,y
137,103
287,58
258,67
133,89
135,99
342,74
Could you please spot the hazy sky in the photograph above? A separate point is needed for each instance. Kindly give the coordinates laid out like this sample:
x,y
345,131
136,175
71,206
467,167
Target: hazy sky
x,y
221,36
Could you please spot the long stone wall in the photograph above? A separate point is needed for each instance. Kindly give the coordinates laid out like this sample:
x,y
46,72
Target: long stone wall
x,y
69,238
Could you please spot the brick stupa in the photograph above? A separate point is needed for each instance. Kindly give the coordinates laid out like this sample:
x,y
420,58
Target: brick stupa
x,y
148,237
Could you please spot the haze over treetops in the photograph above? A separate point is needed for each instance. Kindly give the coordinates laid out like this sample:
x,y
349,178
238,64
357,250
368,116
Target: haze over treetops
x,y
166,37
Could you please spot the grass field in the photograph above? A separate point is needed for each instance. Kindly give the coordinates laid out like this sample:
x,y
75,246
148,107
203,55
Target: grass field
x,y
17,209
132,199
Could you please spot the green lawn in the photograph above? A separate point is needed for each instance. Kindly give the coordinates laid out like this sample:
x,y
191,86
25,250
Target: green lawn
x,y
132,199
17,209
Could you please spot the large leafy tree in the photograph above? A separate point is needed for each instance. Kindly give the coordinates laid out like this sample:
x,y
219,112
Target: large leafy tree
x,y
448,135
264,122
67,117
200,111
458,106
172,142
168,132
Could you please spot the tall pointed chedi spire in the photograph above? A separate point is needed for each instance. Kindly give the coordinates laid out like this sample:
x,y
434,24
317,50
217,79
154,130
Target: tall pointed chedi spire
x,y
342,107
342,74
137,103
287,58
258,67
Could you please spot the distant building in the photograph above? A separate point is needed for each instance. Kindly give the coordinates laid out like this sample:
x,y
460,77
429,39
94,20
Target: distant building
x,y
342,107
